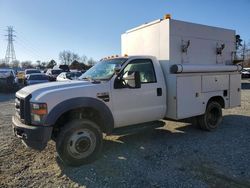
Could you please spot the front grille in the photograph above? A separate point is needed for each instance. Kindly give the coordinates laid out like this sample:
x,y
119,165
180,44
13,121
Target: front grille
x,y
19,104
22,107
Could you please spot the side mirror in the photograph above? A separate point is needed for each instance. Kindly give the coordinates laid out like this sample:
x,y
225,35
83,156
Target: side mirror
x,y
117,69
132,79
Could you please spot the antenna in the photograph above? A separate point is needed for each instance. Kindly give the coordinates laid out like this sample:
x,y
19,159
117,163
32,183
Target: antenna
x,y
10,55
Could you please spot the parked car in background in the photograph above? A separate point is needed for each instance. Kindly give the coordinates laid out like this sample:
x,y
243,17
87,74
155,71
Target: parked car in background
x,y
8,79
65,68
20,76
53,73
64,76
30,71
245,73
36,78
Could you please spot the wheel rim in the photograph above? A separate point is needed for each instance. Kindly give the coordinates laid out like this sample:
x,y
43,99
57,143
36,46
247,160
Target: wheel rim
x,y
213,117
81,143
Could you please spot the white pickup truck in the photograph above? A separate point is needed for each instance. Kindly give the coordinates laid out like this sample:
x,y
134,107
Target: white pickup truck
x,y
174,70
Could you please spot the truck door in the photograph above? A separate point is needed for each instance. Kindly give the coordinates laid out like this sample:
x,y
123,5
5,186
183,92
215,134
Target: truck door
x,y
138,105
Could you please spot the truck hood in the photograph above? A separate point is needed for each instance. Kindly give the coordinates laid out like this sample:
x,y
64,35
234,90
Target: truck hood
x,y
53,93
43,88
46,87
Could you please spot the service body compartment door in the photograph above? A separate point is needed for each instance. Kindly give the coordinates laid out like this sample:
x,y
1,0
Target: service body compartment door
x,y
213,83
235,94
189,96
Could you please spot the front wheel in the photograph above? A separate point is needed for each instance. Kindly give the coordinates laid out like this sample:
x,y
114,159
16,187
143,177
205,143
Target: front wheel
x,y
79,142
212,117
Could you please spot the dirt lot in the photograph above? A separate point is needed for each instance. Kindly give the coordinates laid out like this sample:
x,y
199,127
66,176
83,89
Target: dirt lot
x,y
177,155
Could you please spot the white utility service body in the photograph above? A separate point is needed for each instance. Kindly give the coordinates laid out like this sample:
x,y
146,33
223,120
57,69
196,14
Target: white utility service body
x,y
173,70
191,50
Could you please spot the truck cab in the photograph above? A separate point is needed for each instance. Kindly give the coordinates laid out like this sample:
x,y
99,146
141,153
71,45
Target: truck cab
x,y
116,92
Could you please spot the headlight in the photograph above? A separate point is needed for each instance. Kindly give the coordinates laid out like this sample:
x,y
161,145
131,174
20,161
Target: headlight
x,y
38,112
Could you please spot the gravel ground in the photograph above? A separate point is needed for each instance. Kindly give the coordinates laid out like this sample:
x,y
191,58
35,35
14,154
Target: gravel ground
x,y
176,155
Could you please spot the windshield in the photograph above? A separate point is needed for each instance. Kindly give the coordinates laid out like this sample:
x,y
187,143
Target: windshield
x,y
4,71
247,70
56,71
73,74
32,71
103,70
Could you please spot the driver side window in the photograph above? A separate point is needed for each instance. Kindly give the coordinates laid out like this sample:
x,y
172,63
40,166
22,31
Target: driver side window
x,y
144,67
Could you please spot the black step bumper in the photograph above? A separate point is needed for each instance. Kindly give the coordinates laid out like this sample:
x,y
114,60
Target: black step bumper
x,y
35,137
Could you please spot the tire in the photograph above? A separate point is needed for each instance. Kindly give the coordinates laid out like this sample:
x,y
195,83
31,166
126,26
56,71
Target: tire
x,y
79,142
212,117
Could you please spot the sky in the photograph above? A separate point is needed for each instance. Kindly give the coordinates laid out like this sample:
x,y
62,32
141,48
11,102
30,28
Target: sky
x,y
43,28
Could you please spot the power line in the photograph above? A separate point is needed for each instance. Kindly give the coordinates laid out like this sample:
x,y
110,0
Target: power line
x,y
28,42
28,50
31,46
28,46
10,52
25,45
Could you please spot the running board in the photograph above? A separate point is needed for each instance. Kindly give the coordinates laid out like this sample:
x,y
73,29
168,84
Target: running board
x,y
138,128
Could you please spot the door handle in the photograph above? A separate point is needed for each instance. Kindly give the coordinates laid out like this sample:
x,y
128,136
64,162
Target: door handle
x,y
159,92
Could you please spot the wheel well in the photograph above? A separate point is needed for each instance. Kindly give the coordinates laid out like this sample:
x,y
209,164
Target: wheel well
x,y
79,113
218,99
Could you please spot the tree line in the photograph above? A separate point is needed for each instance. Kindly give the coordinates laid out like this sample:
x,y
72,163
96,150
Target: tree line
x,y
242,52
66,57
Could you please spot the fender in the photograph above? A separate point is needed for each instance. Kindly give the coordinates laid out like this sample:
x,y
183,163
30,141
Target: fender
x,y
81,102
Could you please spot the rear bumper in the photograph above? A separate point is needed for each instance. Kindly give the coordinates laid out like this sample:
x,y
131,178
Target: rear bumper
x,y
52,78
35,137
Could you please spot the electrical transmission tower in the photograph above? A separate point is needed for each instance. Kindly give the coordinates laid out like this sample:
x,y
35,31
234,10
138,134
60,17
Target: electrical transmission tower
x,y
10,52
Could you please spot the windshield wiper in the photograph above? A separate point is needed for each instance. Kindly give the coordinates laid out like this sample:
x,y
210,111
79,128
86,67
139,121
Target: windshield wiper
x,y
91,80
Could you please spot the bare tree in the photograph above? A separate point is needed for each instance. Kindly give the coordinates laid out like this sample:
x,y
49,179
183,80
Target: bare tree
x,y
15,64
38,63
43,65
75,57
91,62
84,59
51,64
3,64
67,57
26,65
246,54
248,50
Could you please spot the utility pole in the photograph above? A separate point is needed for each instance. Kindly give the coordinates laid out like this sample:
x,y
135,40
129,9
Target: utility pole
x,y
10,55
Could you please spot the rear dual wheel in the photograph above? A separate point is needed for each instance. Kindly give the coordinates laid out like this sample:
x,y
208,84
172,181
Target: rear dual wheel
x,y
212,117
